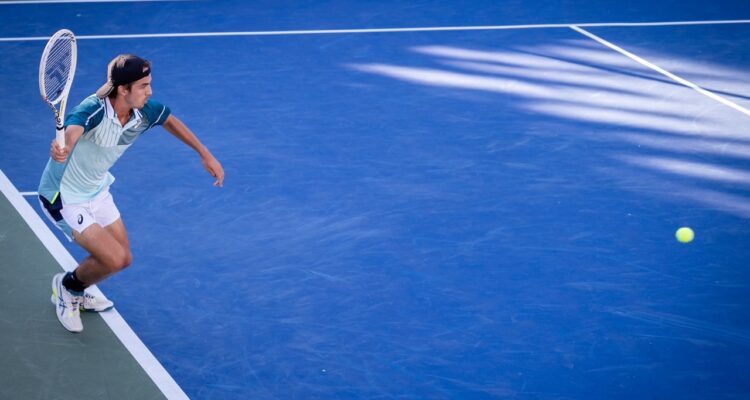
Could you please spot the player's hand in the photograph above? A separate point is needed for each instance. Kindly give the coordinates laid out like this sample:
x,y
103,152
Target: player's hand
x,y
59,154
213,166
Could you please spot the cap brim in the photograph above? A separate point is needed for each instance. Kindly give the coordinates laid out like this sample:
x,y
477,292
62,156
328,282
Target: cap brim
x,y
105,90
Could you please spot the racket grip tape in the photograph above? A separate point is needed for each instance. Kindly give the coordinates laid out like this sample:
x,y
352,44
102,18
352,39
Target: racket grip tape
x,y
60,136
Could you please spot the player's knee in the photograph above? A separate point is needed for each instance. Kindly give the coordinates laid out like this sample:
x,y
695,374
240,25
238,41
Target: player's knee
x,y
124,260
127,260
119,260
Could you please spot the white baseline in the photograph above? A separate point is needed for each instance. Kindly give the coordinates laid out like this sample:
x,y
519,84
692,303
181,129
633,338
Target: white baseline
x,y
381,30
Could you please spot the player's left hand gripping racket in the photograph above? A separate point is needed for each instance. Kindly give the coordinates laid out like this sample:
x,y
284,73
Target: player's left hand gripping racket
x,y
56,71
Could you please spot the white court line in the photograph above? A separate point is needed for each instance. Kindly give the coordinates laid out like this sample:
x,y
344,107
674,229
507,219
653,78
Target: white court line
x,y
25,194
382,30
114,320
662,71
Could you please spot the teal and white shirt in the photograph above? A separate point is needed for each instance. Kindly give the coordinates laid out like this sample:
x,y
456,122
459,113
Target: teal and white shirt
x,y
104,140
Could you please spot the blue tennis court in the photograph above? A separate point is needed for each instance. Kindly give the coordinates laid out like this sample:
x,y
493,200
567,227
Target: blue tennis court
x,y
484,207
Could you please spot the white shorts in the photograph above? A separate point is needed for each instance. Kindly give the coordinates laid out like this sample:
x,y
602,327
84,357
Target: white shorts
x,y
77,217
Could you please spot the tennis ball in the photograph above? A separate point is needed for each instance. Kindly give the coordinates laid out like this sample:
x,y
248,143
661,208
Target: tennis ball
x,y
685,235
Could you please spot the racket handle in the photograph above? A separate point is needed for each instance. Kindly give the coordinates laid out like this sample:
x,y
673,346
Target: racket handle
x,y
60,136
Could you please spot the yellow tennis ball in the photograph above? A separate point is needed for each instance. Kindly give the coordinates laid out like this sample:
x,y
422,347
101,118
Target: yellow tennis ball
x,y
685,235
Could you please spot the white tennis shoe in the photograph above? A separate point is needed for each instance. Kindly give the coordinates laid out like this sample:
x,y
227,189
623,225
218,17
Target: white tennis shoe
x,y
95,303
67,305
91,302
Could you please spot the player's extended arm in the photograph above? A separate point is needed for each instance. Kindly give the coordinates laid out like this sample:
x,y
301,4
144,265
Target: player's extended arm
x,y
182,132
72,134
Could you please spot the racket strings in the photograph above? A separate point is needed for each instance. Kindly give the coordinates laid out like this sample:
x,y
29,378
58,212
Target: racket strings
x,y
58,68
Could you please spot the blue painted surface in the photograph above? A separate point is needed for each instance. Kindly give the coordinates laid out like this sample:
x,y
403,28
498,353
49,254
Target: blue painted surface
x,y
424,215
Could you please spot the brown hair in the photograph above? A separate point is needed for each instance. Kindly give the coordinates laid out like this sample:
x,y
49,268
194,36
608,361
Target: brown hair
x,y
113,94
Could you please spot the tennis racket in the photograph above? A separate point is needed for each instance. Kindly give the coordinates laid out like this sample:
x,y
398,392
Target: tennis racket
x,y
56,71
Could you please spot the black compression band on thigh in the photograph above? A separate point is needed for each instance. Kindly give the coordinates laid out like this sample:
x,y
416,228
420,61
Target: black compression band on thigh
x,y
53,208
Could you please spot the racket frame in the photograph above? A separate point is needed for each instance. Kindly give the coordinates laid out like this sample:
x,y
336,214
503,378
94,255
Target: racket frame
x,y
63,99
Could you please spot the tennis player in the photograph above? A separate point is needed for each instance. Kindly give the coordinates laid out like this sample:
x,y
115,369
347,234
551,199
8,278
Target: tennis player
x,y
74,188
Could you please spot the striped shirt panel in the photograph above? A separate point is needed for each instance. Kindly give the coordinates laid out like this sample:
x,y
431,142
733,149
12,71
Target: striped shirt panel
x,y
104,141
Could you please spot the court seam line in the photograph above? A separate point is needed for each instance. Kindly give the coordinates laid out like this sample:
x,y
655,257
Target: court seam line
x,y
662,71
383,30
143,356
